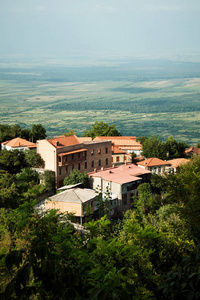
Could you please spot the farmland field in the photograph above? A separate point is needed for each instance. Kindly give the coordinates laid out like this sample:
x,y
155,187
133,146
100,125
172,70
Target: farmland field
x,y
141,97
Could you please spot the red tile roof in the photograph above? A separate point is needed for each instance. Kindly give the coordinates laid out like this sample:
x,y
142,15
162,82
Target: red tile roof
x,y
178,162
154,161
192,150
61,141
72,152
116,150
19,142
127,142
121,174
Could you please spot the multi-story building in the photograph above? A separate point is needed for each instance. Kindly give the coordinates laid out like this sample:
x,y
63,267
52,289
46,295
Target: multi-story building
x,y
121,181
64,154
124,143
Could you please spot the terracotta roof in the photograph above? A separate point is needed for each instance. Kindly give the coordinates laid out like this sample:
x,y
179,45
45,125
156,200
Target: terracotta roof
x,y
154,161
122,174
72,152
177,162
127,142
84,139
61,141
19,142
194,150
116,150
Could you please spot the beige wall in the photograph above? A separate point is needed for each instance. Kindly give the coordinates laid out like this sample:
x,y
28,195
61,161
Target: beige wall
x,y
48,154
64,207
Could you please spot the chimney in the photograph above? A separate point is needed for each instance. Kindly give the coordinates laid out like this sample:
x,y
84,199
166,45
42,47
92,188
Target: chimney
x,y
95,170
102,168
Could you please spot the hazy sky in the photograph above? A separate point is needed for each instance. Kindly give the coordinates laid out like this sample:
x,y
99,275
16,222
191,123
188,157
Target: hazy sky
x,y
94,27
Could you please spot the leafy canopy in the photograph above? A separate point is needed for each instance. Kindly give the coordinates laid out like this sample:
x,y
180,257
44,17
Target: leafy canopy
x,y
76,177
102,129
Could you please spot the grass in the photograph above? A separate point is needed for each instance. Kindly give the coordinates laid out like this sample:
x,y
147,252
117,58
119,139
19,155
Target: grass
x,y
154,104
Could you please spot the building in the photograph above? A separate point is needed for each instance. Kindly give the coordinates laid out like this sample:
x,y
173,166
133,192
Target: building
x,y
176,163
120,156
66,153
18,144
155,165
121,181
73,201
124,143
192,151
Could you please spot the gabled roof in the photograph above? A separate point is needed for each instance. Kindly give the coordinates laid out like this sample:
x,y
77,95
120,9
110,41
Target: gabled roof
x,y
19,142
122,174
62,141
153,161
193,150
122,141
177,162
74,195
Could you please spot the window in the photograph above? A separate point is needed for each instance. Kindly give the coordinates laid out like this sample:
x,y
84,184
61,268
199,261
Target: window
x,y
66,169
124,198
106,150
92,204
117,159
72,156
59,159
79,155
99,150
85,164
59,171
92,152
79,166
106,161
72,167
99,162
92,164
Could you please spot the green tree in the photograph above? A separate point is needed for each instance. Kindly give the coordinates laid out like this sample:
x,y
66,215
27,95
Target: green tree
x,y
141,139
76,177
71,132
175,149
12,161
38,132
101,129
48,180
33,159
144,201
153,147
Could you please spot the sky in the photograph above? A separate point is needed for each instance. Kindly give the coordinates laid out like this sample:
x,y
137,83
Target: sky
x,y
60,28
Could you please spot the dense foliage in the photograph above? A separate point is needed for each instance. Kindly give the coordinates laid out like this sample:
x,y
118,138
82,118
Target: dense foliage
x,y
153,147
76,176
102,129
9,132
151,253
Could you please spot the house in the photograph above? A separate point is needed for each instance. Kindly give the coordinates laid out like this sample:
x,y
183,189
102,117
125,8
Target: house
x,y
75,201
155,165
66,153
121,181
124,143
176,163
120,156
19,144
192,151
